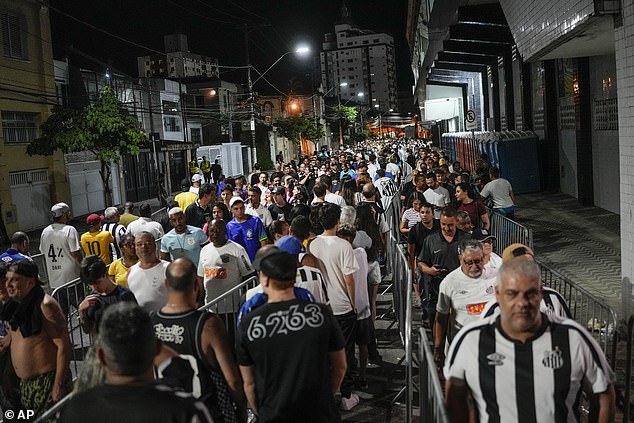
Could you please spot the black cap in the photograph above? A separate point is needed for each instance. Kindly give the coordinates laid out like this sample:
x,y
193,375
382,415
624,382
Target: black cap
x,y
26,268
482,235
185,183
277,264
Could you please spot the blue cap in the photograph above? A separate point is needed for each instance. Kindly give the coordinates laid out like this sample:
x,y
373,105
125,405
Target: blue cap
x,y
290,244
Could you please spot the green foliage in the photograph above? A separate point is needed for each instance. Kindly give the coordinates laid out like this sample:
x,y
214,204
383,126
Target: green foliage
x,y
104,128
360,136
292,127
348,114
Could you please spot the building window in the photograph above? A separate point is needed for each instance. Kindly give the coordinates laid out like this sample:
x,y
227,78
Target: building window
x,y
196,137
171,124
19,127
13,35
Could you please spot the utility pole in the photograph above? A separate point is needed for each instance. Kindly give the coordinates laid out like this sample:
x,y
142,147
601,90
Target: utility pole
x,y
251,97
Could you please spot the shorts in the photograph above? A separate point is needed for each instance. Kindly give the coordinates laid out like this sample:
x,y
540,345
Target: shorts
x,y
35,393
374,273
364,331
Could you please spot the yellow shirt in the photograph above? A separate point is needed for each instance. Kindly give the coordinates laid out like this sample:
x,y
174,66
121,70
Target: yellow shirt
x,y
119,272
126,218
184,199
97,243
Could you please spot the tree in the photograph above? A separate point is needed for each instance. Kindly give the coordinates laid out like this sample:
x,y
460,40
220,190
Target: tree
x,y
295,126
105,128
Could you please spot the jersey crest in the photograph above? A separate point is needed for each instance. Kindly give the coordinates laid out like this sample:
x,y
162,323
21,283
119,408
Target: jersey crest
x,y
553,359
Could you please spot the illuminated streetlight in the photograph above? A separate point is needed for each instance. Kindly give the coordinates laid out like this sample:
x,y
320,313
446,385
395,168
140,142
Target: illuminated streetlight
x,y
302,50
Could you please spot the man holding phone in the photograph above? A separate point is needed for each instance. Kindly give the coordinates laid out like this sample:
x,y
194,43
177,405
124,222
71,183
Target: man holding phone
x,y
439,256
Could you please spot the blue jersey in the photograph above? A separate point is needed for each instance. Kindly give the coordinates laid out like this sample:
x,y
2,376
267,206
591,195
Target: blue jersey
x,y
261,298
249,234
12,255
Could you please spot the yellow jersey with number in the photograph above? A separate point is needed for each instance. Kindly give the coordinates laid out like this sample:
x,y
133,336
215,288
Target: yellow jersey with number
x,y
98,244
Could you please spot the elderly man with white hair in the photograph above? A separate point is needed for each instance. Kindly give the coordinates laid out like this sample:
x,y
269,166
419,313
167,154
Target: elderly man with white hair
x,y
117,230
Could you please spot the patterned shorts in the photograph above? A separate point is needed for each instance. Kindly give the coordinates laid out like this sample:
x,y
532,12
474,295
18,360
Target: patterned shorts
x,y
35,393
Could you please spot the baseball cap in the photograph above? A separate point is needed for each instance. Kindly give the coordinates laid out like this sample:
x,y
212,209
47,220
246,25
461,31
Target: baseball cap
x,y
290,244
277,264
93,219
516,250
235,200
482,235
26,268
197,177
278,190
185,183
59,209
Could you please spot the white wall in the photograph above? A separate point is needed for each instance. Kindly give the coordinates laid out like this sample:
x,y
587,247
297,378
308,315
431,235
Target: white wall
x,y
441,91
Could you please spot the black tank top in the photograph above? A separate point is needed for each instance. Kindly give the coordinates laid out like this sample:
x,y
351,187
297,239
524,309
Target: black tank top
x,y
182,332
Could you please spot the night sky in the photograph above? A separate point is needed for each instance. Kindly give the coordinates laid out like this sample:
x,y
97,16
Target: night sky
x,y
214,28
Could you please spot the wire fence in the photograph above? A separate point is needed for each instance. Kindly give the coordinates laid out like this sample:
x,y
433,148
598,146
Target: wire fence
x,y
431,398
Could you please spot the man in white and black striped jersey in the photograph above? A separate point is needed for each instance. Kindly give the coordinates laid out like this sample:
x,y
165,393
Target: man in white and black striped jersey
x,y
524,365
111,224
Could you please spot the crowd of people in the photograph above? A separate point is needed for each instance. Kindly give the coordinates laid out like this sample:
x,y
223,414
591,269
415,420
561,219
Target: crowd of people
x,y
315,233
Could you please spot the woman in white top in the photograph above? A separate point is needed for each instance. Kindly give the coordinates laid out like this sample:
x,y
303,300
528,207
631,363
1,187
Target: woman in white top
x,y
411,215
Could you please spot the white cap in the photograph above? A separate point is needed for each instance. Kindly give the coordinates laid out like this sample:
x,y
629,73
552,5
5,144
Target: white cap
x,y
197,177
59,209
235,200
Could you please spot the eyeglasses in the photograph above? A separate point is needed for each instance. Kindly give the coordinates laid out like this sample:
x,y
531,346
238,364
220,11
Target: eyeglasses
x,y
129,244
476,262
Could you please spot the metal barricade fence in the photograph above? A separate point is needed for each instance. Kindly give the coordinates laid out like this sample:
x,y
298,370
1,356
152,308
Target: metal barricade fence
x,y
69,296
228,304
587,310
43,271
402,300
508,232
431,397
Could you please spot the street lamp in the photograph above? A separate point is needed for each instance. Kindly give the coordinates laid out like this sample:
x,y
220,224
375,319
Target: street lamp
x,y
302,50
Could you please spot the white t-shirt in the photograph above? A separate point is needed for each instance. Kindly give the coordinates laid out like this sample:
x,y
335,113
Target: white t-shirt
x,y
145,224
465,297
500,192
411,216
335,199
338,260
223,268
361,300
439,197
56,243
393,169
148,285
492,268
262,212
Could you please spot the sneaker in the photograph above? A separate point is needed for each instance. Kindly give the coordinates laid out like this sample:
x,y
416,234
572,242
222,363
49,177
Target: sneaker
x,y
349,403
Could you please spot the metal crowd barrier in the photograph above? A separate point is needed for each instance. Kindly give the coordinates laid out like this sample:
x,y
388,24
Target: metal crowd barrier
x,y
69,296
402,300
51,415
508,232
43,271
587,310
228,304
431,397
